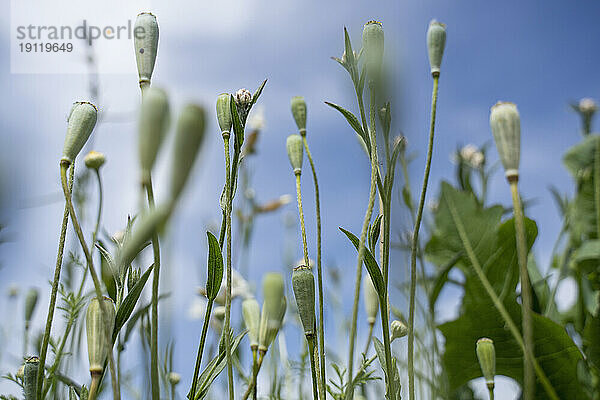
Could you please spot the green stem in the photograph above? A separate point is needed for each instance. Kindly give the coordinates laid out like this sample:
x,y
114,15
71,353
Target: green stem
x,y
313,367
154,302
252,385
526,305
226,328
201,348
361,244
302,226
491,392
94,387
319,267
512,327
597,185
55,282
88,256
415,244
369,337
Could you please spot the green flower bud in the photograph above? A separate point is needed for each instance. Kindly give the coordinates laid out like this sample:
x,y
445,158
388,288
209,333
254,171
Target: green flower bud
x,y
303,282
81,122
94,160
188,138
295,151
299,113
133,278
95,323
399,330
224,113
174,378
436,41
153,127
30,372
251,315
30,303
145,40
486,354
506,128
273,291
371,300
270,323
372,39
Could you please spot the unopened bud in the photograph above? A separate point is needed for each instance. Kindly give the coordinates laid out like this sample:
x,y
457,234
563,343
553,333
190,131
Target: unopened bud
x,y
30,303
372,39
371,300
506,128
299,113
174,378
303,283
399,330
486,354
436,41
146,46
243,100
153,127
96,323
30,372
94,160
81,122
273,309
251,315
224,113
295,151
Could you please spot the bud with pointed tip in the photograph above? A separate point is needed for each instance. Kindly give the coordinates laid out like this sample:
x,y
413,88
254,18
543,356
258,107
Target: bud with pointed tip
x,y
371,300
224,117
188,138
95,323
145,40
303,283
373,39
30,372
399,330
299,113
153,127
436,42
94,160
251,315
270,323
506,128
295,151
486,354
81,122
30,303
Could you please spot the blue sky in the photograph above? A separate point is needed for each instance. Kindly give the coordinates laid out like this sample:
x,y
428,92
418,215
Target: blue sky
x,y
540,55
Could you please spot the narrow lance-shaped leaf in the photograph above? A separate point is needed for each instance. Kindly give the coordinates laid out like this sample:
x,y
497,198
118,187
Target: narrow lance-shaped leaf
x,y
238,128
258,92
215,267
353,121
374,230
370,263
128,304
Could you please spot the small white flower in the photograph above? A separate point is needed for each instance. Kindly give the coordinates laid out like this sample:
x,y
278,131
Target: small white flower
x,y
243,97
472,156
587,105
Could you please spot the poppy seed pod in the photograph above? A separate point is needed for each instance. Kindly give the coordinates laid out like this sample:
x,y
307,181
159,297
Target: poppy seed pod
x,y
299,113
81,122
295,151
30,303
95,325
153,127
30,372
188,138
436,42
270,323
486,354
303,283
371,300
94,160
506,128
372,40
251,315
145,40
399,330
224,117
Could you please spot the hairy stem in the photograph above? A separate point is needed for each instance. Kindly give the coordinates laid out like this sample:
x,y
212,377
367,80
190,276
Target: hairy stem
x,y
55,282
313,367
201,348
415,244
226,328
302,226
252,385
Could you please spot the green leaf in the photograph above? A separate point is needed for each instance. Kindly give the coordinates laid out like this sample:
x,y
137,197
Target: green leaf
x,y
396,385
215,267
353,121
374,230
348,50
128,304
580,158
238,128
591,340
108,276
370,263
258,93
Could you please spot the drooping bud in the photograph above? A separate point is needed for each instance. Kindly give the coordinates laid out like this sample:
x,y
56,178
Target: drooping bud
x,y
95,325
188,138
145,40
81,122
486,354
436,42
30,372
224,117
399,330
94,160
174,378
295,151
153,127
30,303
273,309
303,283
251,315
299,113
371,300
506,128
372,39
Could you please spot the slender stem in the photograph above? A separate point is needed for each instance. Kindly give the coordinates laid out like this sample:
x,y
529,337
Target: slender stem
x,y
99,213
526,305
252,384
302,226
226,328
94,386
512,327
491,392
313,368
254,368
55,282
369,337
201,348
415,244
319,266
361,244
90,263
155,283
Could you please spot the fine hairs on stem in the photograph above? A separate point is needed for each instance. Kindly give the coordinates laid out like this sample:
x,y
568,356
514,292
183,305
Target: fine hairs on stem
x,y
229,200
